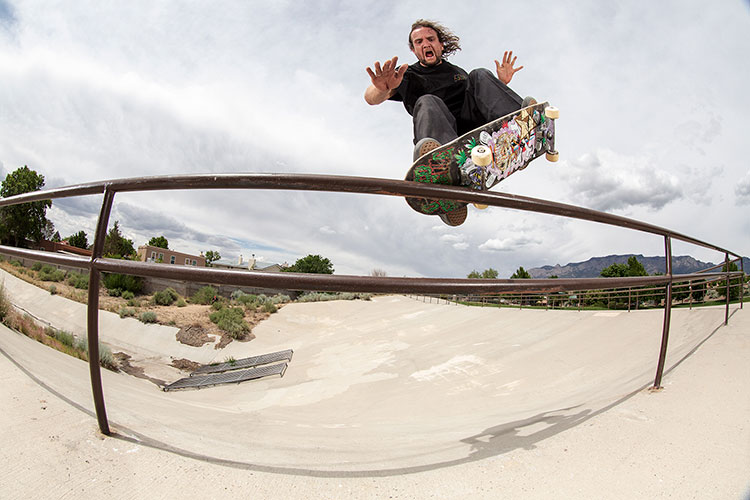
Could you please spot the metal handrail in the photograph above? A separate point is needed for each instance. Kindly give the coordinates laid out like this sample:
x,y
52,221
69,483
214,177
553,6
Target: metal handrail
x,y
296,281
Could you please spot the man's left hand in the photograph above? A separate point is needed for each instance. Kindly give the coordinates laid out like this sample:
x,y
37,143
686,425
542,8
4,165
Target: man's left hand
x,y
505,71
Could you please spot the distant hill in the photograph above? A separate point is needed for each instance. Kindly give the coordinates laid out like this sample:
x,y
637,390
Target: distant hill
x,y
592,268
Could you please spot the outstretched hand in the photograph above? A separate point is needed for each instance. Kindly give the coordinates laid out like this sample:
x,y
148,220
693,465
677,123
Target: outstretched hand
x,y
505,71
389,76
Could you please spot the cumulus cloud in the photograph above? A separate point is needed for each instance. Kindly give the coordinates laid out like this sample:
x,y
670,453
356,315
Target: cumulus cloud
x,y
607,181
742,190
509,244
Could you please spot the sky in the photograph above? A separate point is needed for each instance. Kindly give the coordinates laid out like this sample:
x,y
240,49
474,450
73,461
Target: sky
x,y
652,98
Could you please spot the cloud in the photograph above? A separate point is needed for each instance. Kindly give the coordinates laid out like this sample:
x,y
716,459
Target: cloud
x,y
742,190
509,244
457,241
607,181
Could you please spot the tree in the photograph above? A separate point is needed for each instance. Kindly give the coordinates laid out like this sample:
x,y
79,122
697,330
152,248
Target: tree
x,y
735,284
79,240
116,245
486,274
521,273
314,264
28,220
379,273
212,256
632,268
159,241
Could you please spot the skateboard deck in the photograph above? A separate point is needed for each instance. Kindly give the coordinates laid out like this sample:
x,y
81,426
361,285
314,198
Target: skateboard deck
x,y
483,157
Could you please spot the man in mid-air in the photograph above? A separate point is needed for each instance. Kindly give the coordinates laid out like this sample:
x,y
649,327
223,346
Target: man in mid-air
x,y
444,101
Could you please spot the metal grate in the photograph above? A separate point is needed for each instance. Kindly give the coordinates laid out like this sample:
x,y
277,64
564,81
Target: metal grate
x,y
236,376
250,362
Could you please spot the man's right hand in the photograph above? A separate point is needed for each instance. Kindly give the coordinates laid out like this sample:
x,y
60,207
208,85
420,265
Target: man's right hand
x,y
384,80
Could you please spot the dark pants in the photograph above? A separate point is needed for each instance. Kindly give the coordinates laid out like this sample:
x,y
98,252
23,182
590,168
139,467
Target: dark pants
x,y
487,99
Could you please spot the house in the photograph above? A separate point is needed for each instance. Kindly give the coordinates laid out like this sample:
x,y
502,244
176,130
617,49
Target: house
x,y
243,265
148,253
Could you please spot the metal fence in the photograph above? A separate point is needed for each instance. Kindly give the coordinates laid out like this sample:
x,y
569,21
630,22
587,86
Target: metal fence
x,y
473,289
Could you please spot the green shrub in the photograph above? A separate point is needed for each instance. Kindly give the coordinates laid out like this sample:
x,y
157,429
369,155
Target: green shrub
x,y
147,317
270,307
49,273
126,312
114,292
53,290
181,302
4,302
166,297
232,321
123,282
78,280
128,295
37,266
205,295
62,336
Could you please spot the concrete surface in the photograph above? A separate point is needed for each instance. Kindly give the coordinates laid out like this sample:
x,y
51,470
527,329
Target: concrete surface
x,y
395,398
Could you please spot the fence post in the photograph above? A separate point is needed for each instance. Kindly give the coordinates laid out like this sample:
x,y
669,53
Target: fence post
x,y
667,315
92,326
729,289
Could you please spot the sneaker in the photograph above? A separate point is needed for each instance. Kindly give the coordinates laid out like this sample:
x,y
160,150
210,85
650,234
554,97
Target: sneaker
x,y
424,146
528,101
456,217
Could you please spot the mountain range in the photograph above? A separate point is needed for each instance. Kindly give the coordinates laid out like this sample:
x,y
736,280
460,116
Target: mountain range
x,y
592,268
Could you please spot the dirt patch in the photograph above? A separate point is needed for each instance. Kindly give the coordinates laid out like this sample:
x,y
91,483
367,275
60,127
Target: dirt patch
x,y
185,365
193,335
123,361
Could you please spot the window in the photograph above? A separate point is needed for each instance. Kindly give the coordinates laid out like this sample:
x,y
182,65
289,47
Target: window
x,y
195,263
172,259
153,256
187,262
161,256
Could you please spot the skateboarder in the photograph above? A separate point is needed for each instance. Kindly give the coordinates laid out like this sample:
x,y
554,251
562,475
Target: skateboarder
x,y
442,98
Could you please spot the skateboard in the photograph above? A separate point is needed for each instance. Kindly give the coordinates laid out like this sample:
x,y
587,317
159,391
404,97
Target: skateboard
x,y
485,156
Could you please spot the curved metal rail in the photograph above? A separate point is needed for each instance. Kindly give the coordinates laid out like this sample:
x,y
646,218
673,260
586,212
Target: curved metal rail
x,y
295,281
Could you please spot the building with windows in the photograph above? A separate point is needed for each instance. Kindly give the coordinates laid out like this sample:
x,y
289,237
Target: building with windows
x,y
148,253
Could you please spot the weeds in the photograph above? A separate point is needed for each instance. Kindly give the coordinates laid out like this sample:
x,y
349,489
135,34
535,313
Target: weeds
x,y
147,317
232,321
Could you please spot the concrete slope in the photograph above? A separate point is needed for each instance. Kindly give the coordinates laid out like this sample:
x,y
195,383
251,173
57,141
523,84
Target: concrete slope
x,y
389,384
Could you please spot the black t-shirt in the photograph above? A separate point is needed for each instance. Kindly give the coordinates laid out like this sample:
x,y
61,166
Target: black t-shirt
x,y
446,81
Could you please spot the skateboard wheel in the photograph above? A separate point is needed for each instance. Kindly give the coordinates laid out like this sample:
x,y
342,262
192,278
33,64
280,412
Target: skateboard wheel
x,y
552,112
552,156
480,206
481,156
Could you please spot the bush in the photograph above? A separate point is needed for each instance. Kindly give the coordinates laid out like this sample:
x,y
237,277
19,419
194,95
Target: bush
x,y
147,317
37,266
62,336
166,297
128,295
205,296
49,273
4,302
78,280
126,312
232,321
53,290
181,302
123,282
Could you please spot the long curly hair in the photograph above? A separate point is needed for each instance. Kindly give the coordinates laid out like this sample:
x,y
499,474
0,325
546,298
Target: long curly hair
x,y
450,41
